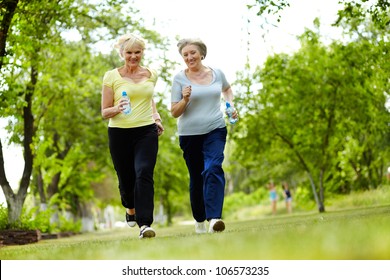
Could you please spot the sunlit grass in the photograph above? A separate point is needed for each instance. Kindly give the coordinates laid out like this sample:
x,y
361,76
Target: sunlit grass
x,y
362,233
380,196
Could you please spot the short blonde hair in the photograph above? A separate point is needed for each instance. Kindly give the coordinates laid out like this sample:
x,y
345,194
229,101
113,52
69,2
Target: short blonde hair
x,y
127,41
193,41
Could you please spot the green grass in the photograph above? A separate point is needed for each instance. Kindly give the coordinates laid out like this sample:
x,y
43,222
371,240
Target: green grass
x,y
353,234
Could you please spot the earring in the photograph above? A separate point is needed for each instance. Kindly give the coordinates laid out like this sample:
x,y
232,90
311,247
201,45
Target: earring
x,y
202,57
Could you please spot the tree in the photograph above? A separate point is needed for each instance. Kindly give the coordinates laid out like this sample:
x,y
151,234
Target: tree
x,y
68,143
312,106
37,90
9,8
356,12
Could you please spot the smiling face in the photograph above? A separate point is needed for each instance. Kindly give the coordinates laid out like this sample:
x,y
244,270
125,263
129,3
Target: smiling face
x,y
133,55
192,56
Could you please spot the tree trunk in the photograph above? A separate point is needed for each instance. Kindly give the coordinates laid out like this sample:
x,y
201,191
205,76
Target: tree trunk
x,y
7,190
54,185
41,190
319,203
15,206
87,216
10,7
15,202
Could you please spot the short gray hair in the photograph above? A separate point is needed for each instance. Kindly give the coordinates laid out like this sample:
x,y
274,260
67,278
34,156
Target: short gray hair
x,y
193,41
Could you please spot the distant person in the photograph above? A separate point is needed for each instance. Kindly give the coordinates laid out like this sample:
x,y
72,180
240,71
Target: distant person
x,y
196,101
273,197
133,138
287,197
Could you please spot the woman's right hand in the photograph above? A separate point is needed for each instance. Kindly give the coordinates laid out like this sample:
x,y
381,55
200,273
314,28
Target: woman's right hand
x,y
178,108
186,92
121,105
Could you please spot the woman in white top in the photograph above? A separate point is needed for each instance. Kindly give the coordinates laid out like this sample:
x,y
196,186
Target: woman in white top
x,y
196,102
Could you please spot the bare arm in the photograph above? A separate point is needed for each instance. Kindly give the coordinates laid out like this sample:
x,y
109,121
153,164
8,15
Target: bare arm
x,y
108,109
228,96
157,118
178,108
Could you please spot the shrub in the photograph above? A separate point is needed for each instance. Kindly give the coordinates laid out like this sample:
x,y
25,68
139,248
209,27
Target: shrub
x,y
3,217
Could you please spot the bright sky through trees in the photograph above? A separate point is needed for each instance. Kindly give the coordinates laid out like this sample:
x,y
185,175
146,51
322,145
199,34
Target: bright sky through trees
x,y
223,26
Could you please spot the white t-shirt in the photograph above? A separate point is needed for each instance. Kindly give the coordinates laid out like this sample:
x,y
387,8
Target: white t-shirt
x,y
203,113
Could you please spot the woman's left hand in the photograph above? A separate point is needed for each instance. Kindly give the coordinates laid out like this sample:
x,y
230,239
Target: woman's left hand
x,y
160,127
234,113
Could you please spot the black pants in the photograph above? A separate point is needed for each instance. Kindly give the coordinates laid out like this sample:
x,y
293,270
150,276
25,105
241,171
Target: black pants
x,y
134,153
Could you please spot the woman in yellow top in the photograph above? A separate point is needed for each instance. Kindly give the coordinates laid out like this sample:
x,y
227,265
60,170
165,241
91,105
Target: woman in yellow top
x,y
133,137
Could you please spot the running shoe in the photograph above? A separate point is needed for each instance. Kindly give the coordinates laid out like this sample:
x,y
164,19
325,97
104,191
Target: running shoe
x,y
147,232
216,225
130,220
200,227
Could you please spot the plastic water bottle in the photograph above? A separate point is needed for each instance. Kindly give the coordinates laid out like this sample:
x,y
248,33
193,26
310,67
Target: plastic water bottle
x,y
127,109
229,112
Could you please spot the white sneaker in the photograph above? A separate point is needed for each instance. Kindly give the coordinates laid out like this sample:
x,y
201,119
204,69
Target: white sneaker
x,y
130,220
147,232
216,225
200,227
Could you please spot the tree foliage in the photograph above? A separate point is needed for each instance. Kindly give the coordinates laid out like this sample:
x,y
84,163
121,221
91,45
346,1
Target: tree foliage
x,y
50,92
354,12
320,111
316,118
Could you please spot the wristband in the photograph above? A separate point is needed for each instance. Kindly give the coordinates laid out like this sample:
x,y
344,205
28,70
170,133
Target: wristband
x,y
156,116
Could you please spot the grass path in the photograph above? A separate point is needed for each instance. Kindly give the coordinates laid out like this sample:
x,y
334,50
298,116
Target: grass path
x,y
355,234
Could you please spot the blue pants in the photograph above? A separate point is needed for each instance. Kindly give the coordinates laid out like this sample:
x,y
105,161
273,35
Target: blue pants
x,y
204,155
134,154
